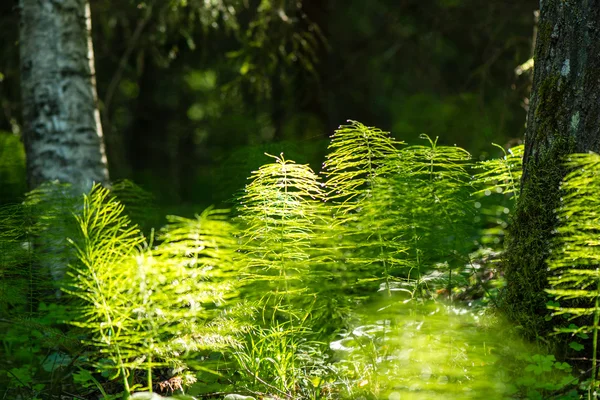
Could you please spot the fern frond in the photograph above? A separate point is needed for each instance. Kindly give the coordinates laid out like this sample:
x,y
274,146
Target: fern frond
x,y
577,243
370,248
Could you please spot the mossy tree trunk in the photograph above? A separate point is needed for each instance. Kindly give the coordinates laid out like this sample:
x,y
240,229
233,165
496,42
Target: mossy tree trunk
x,y
563,117
62,132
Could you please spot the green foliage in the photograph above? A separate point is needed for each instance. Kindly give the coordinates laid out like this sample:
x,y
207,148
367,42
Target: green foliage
x,y
544,375
401,211
302,263
280,37
12,168
232,176
436,189
146,309
355,154
431,350
497,189
196,259
138,308
574,262
52,206
502,175
280,359
33,254
280,212
283,221
205,243
370,246
140,205
15,258
108,309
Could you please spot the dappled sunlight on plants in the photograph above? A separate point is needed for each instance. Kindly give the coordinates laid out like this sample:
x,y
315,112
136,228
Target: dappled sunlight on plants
x,y
416,350
377,279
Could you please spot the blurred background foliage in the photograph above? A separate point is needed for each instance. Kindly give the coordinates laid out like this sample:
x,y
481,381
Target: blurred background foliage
x,y
193,92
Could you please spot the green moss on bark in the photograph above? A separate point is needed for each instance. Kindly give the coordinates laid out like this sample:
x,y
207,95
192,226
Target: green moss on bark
x,y
544,34
524,299
548,110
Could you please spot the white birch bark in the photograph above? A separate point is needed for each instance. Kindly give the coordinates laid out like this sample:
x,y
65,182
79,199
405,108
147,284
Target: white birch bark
x,y
62,131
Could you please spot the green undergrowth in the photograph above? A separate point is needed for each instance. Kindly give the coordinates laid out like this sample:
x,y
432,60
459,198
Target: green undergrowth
x,y
574,260
433,350
376,278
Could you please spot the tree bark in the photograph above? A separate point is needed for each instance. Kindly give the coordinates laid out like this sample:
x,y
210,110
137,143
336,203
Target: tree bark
x,y
62,131
563,118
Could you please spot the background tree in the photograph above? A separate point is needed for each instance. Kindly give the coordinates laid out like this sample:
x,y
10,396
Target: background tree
x,y
61,122
564,117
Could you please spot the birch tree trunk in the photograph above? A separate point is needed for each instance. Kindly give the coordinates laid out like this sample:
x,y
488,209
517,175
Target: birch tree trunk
x,y
563,118
62,131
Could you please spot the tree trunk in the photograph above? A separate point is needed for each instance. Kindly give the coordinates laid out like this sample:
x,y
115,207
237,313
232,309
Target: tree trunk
x,y
62,132
563,117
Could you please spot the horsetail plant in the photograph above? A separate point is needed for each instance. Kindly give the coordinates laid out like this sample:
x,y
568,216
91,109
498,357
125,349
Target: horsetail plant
x,y
279,212
353,172
147,308
403,210
575,260
282,214
102,278
433,193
